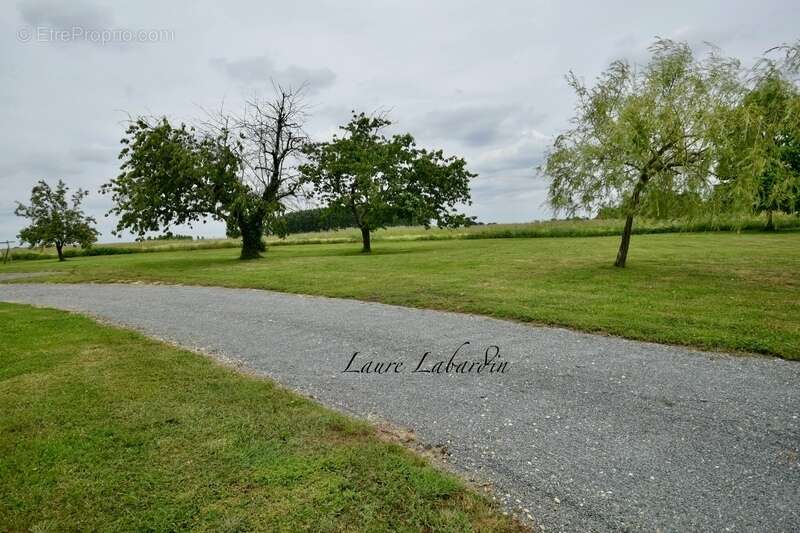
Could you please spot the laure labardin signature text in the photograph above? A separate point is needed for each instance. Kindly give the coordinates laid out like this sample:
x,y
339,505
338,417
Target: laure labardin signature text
x,y
488,362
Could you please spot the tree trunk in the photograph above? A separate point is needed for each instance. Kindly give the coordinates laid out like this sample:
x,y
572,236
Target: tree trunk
x,y
60,251
622,254
770,223
365,239
252,245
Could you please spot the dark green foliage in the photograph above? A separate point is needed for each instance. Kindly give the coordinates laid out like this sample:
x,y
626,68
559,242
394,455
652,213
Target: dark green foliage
x,y
332,218
54,222
173,175
169,236
378,179
317,219
95,250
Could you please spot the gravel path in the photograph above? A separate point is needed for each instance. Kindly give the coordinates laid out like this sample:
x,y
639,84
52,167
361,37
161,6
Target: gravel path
x,y
587,433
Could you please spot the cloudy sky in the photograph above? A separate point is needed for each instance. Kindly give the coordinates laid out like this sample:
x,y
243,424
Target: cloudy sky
x,y
484,80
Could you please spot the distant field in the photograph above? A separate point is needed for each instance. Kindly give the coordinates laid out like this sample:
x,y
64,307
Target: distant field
x,y
555,228
724,291
541,229
102,429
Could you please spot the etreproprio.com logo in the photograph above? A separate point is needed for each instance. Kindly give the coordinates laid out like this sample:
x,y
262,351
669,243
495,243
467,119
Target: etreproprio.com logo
x,y
45,34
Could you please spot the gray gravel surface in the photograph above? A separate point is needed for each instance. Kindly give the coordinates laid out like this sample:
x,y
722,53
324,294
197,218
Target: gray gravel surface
x,y
581,432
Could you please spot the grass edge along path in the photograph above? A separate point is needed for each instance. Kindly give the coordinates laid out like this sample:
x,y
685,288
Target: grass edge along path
x,y
104,429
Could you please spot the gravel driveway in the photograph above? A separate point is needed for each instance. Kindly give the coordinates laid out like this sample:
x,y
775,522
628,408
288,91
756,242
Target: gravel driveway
x,y
584,432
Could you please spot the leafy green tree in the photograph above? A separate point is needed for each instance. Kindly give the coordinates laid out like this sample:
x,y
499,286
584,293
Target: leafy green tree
x,y
379,179
238,169
776,103
765,140
54,222
644,134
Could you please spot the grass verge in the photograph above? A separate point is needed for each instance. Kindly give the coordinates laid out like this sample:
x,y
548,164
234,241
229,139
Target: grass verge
x,y
102,429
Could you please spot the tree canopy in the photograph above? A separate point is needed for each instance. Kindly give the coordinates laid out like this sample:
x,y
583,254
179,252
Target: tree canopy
x,y
55,221
378,178
651,135
765,141
239,169
776,103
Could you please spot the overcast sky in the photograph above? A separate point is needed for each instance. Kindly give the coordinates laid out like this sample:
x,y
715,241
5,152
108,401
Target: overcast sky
x,y
483,80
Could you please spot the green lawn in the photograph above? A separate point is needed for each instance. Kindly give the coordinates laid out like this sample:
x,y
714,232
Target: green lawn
x,y
724,291
102,429
539,229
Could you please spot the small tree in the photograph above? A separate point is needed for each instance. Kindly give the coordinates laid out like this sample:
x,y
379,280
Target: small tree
x,y
239,169
378,179
641,134
53,221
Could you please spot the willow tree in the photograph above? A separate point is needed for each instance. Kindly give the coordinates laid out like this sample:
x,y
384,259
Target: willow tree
x,y
646,134
775,103
765,140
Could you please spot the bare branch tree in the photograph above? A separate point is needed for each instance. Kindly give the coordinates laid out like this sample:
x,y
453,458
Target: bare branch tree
x,y
268,137
242,169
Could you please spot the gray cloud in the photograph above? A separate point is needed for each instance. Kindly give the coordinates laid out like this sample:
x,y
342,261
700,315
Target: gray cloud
x,y
94,154
38,165
479,125
64,15
524,153
474,126
261,69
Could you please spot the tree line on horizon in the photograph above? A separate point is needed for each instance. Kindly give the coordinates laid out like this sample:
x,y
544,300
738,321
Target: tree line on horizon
x,y
675,137
317,219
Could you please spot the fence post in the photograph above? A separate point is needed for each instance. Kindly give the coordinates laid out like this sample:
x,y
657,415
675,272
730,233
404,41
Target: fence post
x,y
7,254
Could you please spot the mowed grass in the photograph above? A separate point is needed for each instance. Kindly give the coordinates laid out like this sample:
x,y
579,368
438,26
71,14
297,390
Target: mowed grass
x,y
723,291
102,429
538,229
